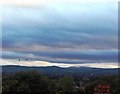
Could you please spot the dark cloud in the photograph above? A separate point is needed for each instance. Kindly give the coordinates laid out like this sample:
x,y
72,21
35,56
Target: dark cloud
x,y
58,38
66,57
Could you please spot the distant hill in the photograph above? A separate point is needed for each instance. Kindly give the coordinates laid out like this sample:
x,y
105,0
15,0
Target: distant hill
x,y
53,70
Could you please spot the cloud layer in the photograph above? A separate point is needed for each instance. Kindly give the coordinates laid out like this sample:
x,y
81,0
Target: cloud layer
x,y
68,33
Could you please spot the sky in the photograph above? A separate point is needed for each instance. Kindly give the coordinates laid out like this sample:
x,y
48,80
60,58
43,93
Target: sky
x,y
60,33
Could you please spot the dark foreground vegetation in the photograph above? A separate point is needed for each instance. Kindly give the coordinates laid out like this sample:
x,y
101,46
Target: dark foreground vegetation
x,y
32,82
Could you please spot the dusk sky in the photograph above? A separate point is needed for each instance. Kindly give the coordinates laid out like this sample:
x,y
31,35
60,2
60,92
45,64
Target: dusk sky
x,y
60,33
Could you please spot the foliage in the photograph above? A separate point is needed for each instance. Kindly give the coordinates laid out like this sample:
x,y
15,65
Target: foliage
x,y
32,82
66,84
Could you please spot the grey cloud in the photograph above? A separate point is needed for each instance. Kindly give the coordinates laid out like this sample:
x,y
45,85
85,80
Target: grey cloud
x,y
67,57
57,28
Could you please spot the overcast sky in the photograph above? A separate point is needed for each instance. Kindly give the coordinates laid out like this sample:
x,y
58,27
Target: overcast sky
x,y
62,33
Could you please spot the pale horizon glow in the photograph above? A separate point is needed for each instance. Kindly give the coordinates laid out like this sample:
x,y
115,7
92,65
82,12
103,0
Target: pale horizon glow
x,y
63,65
